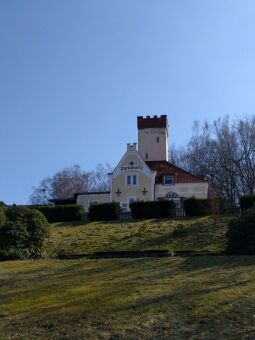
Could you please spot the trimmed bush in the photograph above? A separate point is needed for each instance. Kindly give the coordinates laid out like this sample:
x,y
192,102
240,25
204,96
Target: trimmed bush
x,y
23,233
61,213
104,212
196,207
241,234
152,209
246,202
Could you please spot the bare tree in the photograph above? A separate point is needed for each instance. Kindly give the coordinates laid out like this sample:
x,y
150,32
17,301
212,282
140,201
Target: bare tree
x,y
177,156
98,180
214,201
245,160
42,193
224,154
67,182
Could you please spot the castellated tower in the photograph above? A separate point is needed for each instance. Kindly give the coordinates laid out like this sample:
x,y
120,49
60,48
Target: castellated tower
x,y
153,138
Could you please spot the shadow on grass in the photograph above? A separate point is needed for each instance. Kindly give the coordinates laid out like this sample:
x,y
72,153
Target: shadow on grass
x,y
122,271
128,292
195,236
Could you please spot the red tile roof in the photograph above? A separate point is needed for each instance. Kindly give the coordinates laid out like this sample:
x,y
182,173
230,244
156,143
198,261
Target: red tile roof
x,y
164,168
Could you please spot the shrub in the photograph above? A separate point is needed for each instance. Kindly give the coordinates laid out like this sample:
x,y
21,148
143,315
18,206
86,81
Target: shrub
x,y
23,234
246,201
2,214
151,209
196,207
61,213
104,212
2,204
241,234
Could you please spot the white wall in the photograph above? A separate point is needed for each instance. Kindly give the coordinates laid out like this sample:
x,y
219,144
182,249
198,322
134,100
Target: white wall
x,y
147,143
198,190
86,199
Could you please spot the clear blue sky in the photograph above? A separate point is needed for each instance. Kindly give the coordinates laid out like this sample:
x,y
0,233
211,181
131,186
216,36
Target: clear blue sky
x,y
75,74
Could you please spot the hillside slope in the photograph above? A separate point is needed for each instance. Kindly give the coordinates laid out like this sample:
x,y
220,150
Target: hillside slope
x,y
208,297
177,298
197,234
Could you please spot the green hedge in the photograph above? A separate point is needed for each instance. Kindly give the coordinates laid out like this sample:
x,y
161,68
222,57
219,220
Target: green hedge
x,y
23,233
152,209
104,212
196,207
241,234
246,201
61,213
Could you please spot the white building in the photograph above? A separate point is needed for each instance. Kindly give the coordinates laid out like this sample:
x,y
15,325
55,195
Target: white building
x,y
145,173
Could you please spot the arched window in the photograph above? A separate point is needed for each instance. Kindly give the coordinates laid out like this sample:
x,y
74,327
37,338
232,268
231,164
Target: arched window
x,y
93,203
171,194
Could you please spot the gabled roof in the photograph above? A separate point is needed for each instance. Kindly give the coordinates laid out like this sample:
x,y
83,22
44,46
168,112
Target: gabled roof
x,y
164,168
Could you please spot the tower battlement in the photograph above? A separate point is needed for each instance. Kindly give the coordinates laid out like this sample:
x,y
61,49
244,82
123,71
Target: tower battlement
x,y
152,122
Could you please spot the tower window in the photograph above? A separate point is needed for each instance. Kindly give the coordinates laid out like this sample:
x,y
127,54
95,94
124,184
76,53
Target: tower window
x,y
146,156
157,139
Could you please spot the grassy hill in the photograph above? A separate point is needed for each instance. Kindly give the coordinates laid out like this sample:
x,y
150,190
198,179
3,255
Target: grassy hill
x,y
209,297
198,234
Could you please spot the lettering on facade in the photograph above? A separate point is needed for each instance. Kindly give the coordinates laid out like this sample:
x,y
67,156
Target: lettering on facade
x,y
131,167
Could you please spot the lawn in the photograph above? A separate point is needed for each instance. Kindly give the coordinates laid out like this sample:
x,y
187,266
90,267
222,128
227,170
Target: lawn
x,y
197,234
177,298
207,297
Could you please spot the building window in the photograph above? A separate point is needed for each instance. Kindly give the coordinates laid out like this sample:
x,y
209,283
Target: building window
x,y
131,180
131,200
157,139
146,156
168,180
134,179
124,207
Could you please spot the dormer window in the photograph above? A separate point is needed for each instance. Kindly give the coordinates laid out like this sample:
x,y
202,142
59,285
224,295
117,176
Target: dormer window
x,y
169,180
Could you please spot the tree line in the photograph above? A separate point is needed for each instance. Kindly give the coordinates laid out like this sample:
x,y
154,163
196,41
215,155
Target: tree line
x,y
67,182
222,152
